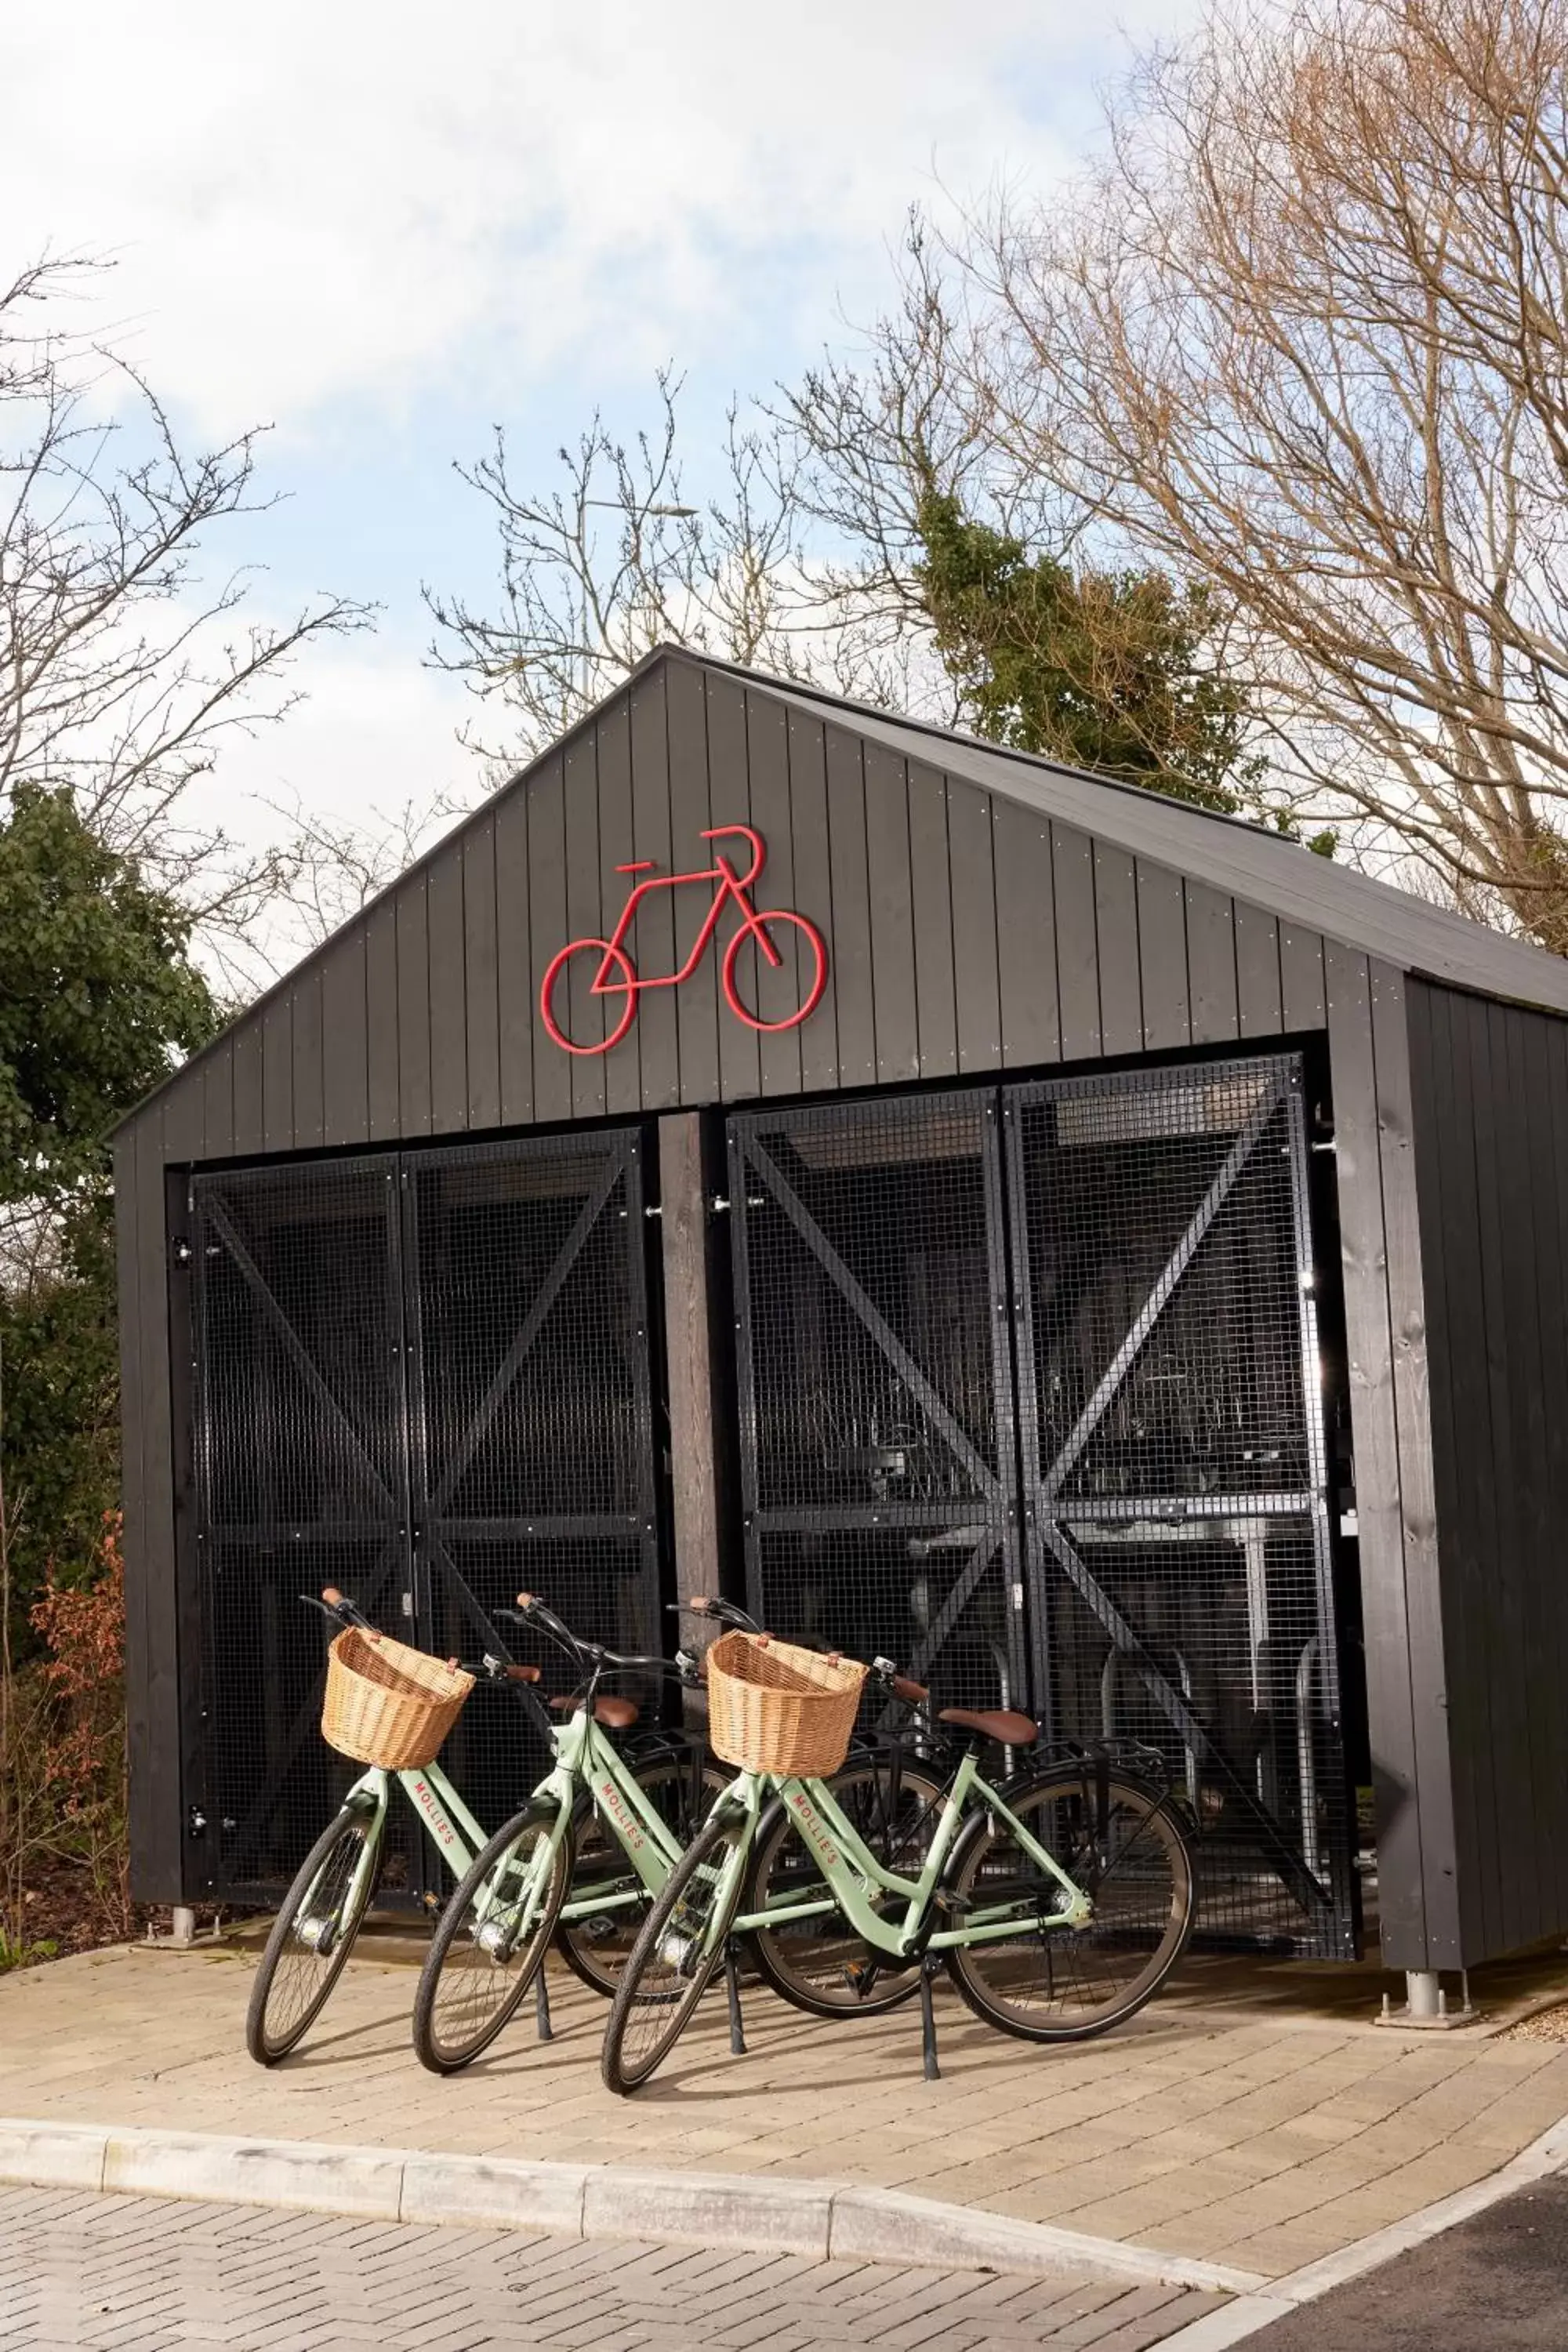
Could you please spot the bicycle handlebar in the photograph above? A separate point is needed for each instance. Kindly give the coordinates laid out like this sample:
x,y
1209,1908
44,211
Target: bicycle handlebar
x,y
538,1612
532,1610
723,1612
902,1685
335,1603
726,1613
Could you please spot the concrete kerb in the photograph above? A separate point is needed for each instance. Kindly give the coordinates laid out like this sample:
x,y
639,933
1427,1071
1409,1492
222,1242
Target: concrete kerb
x,y
749,2211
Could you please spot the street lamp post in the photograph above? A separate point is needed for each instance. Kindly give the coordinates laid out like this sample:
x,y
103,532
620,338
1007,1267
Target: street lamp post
x,y
618,505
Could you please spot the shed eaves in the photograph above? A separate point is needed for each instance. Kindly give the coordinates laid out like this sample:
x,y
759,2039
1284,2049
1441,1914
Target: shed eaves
x,y
1279,876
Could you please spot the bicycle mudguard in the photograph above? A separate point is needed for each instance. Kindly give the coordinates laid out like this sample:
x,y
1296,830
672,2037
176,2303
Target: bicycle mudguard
x,y
1095,1766
541,1812
1140,1767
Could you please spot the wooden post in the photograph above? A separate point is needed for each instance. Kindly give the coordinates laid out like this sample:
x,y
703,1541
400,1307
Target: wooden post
x,y
688,1311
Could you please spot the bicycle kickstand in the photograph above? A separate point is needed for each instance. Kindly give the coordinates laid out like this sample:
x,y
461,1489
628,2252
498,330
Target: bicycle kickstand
x,y
732,1988
543,2027
928,2020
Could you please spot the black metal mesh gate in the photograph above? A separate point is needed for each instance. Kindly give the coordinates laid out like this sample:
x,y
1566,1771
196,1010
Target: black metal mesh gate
x,y
1174,1479
423,1377
1043,1416
875,1391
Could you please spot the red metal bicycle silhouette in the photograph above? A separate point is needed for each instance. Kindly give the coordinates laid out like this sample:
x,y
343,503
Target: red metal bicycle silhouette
x,y
616,975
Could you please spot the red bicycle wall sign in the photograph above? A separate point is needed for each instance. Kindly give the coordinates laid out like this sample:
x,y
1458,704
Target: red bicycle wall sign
x,y
617,979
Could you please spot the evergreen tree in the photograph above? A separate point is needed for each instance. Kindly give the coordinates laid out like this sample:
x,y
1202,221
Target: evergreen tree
x,y
98,1000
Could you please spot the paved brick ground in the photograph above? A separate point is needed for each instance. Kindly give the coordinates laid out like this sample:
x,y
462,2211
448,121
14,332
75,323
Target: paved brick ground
x,y
1259,2138
140,2275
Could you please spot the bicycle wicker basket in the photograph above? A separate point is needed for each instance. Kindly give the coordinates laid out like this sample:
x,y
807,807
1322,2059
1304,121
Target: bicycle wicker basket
x,y
386,1704
772,1707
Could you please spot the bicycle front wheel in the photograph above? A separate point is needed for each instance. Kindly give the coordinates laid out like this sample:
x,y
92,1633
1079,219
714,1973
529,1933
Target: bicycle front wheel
x,y
673,1961
312,1936
606,1900
1118,1841
820,1963
490,1941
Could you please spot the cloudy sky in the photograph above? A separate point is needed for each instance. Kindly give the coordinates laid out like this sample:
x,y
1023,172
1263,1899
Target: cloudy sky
x,y
383,229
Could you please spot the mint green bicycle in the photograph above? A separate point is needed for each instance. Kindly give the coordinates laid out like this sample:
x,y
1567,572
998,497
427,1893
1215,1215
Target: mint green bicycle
x,y
1059,1902
596,1842
582,1860
650,1802
325,1907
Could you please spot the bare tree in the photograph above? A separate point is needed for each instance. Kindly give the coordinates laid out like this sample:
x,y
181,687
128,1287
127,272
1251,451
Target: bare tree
x,y
966,570
333,866
876,431
873,535
122,668
583,599
1305,335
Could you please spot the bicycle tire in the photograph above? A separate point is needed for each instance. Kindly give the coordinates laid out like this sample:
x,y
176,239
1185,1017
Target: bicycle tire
x,y
596,1949
465,1979
646,1993
630,985
272,2031
813,995
1057,1984
838,1975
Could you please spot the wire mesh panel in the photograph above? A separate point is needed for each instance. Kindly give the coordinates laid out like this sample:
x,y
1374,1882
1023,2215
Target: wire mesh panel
x,y
875,1385
299,1479
423,1378
1173,1467
531,1432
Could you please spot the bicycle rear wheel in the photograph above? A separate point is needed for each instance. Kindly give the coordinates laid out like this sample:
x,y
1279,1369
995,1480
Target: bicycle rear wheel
x,y
596,1943
674,1959
1118,1843
821,1964
312,1936
490,1941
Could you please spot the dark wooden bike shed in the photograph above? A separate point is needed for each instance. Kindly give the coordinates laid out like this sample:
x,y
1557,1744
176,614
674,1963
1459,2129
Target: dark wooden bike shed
x,y
1100,1250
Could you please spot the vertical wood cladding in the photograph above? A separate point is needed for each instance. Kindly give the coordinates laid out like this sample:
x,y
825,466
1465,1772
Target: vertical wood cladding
x,y
966,934
1489,1094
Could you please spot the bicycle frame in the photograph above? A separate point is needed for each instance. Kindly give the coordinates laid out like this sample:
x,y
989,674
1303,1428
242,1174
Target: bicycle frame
x,y
854,1876
615,975
451,1827
732,885
583,1757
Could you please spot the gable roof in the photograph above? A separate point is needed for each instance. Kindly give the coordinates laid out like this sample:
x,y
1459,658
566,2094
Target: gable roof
x,y
1247,862
1279,876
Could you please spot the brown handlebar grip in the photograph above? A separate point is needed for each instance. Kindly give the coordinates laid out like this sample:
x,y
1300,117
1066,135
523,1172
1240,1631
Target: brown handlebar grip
x,y
526,1599
332,1596
522,1674
910,1691
699,1605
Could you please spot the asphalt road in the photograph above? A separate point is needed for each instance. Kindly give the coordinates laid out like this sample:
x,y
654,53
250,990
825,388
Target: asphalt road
x,y
1498,2284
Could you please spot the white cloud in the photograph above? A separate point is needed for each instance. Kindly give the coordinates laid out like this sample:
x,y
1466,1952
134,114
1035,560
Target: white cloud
x,y
318,201
375,731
